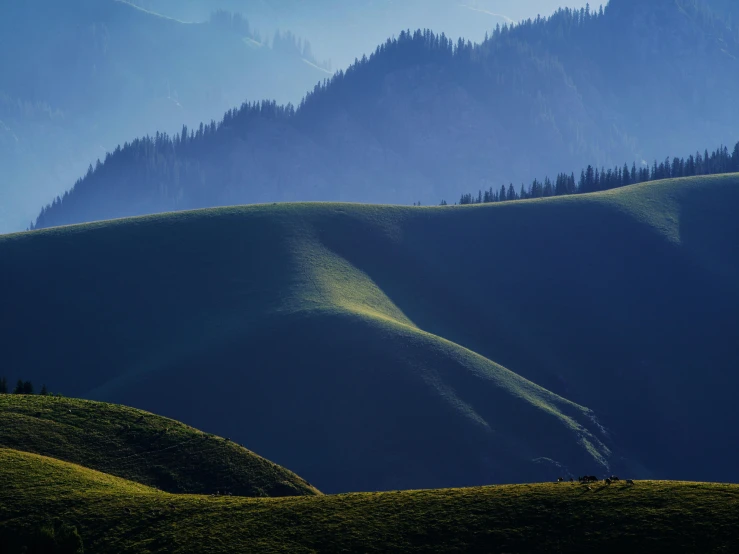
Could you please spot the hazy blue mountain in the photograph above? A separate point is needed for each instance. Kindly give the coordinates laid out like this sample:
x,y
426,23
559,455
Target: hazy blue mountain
x,y
426,118
342,30
81,76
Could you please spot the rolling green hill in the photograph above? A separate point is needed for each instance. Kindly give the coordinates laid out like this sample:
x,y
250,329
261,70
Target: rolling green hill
x,y
378,347
115,515
141,447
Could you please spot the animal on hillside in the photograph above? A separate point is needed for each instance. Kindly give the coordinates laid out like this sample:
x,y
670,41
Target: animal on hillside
x,y
607,481
615,478
629,482
559,479
588,479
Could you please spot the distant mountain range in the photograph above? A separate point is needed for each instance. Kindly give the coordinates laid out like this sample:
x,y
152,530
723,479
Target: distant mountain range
x,y
426,117
81,76
343,30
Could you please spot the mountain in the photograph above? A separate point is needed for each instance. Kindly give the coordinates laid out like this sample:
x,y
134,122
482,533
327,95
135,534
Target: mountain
x,y
371,348
81,76
425,117
49,501
140,447
344,30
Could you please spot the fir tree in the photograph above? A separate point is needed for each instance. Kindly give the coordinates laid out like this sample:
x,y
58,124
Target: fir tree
x,y
625,176
3,385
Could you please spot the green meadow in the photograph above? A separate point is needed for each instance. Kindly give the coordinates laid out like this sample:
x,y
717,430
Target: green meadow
x,y
140,447
114,515
384,347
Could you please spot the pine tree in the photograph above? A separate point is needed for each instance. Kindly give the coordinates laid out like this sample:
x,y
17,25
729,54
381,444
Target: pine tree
x,y
3,385
18,387
625,176
28,387
44,391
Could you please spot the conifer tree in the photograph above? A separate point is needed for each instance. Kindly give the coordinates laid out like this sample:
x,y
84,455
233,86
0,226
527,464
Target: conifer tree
x,y
18,387
44,391
625,176
3,385
28,387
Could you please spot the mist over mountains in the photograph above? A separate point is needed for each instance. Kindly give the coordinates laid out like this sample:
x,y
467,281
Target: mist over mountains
x,y
81,76
426,117
343,30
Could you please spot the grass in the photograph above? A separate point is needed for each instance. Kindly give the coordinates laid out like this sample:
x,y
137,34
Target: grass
x,y
140,447
114,515
385,347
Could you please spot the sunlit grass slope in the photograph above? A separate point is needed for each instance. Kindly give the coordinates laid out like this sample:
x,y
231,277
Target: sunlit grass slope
x,y
114,515
141,447
370,347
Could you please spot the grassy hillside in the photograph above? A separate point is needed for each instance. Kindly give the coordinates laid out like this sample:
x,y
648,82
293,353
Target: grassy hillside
x,y
114,515
140,447
369,347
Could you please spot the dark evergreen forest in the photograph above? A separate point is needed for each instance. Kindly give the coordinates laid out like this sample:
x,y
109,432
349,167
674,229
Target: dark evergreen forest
x,y
593,180
424,117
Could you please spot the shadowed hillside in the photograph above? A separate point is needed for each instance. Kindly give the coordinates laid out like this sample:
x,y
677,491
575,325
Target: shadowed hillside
x,y
371,347
140,447
113,515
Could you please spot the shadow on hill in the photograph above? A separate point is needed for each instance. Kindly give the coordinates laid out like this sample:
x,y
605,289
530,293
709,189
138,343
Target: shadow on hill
x,y
586,301
387,406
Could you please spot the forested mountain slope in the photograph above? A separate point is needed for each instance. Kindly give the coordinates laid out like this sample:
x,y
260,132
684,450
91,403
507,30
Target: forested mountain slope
x,y
425,117
371,347
81,76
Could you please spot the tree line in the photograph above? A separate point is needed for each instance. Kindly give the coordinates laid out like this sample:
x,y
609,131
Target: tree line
x,y
592,179
248,156
21,387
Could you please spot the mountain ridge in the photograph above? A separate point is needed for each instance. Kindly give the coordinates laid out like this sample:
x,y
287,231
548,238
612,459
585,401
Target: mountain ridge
x,y
82,77
424,117
299,303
